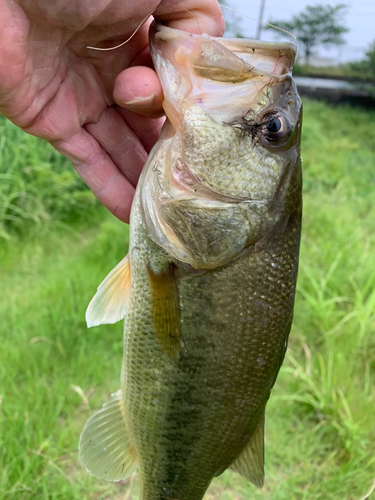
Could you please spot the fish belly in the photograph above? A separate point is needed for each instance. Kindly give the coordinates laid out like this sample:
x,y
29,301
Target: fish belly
x,y
190,414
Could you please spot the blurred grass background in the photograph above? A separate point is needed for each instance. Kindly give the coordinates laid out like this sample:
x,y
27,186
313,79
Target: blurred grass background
x,y
56,246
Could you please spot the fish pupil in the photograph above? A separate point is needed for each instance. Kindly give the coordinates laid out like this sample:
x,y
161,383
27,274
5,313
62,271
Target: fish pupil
x,y
274,126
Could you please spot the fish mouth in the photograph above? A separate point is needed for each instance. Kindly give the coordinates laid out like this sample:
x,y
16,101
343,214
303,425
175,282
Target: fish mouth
x,y
203,70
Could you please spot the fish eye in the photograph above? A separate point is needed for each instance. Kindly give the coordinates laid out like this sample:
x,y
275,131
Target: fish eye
x,y
275,126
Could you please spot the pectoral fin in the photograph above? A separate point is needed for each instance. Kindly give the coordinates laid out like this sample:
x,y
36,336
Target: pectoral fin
x,y
104,447
165,308
250,463
109,303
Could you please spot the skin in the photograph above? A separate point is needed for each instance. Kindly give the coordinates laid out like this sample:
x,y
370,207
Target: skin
x,y
100,109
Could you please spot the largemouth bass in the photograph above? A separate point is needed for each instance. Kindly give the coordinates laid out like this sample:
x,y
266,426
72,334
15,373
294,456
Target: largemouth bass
x,y
207,288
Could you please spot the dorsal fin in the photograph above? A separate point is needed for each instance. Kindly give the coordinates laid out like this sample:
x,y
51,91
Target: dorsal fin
x,y
109,303
250,463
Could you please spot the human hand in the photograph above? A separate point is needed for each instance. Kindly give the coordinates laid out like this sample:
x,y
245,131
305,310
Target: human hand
x,y
87,103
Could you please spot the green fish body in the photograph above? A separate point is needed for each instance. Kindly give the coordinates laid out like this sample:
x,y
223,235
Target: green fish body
x,y
207,289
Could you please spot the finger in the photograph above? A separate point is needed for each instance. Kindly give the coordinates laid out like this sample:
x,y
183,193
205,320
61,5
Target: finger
x,y
99,172
138,89
120,142
147,129
194,16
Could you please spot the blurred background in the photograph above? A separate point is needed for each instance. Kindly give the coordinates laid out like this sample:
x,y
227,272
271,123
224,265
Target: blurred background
x,y
336,43
57,244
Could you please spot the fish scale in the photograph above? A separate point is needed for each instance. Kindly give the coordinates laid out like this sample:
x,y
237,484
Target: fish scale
x,y
207,289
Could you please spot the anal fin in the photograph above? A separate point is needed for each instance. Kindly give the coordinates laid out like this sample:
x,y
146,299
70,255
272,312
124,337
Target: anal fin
x,y
250,462
104,446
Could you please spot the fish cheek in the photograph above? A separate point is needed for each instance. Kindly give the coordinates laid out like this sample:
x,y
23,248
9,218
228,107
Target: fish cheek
x,y
208,248
165,307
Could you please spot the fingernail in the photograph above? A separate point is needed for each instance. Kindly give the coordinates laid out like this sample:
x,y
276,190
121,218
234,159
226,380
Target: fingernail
x,y
140,102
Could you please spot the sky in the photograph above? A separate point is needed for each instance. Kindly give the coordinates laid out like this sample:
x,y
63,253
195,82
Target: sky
x,y
360,19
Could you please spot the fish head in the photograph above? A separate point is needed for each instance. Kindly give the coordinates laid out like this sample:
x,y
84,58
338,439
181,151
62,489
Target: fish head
x,y
226,169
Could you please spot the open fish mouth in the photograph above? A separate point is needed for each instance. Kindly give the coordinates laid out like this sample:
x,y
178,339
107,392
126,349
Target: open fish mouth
x,y
223,76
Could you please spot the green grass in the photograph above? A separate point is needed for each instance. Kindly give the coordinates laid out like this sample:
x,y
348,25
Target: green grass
x,y
37,186
320,422
49,357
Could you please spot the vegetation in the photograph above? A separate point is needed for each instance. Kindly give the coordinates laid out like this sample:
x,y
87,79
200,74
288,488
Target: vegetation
x,y
362,71
316,25
367,65
54,373
355,72
37,185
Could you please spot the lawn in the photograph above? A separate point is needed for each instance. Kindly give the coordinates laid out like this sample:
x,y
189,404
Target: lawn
x,y
56,246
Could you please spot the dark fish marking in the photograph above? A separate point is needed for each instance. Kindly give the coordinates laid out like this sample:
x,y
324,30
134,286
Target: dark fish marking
x,y
165,308
246,124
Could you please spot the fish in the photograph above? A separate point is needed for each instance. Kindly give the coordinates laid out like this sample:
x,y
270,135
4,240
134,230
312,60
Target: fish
x,y
207,288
